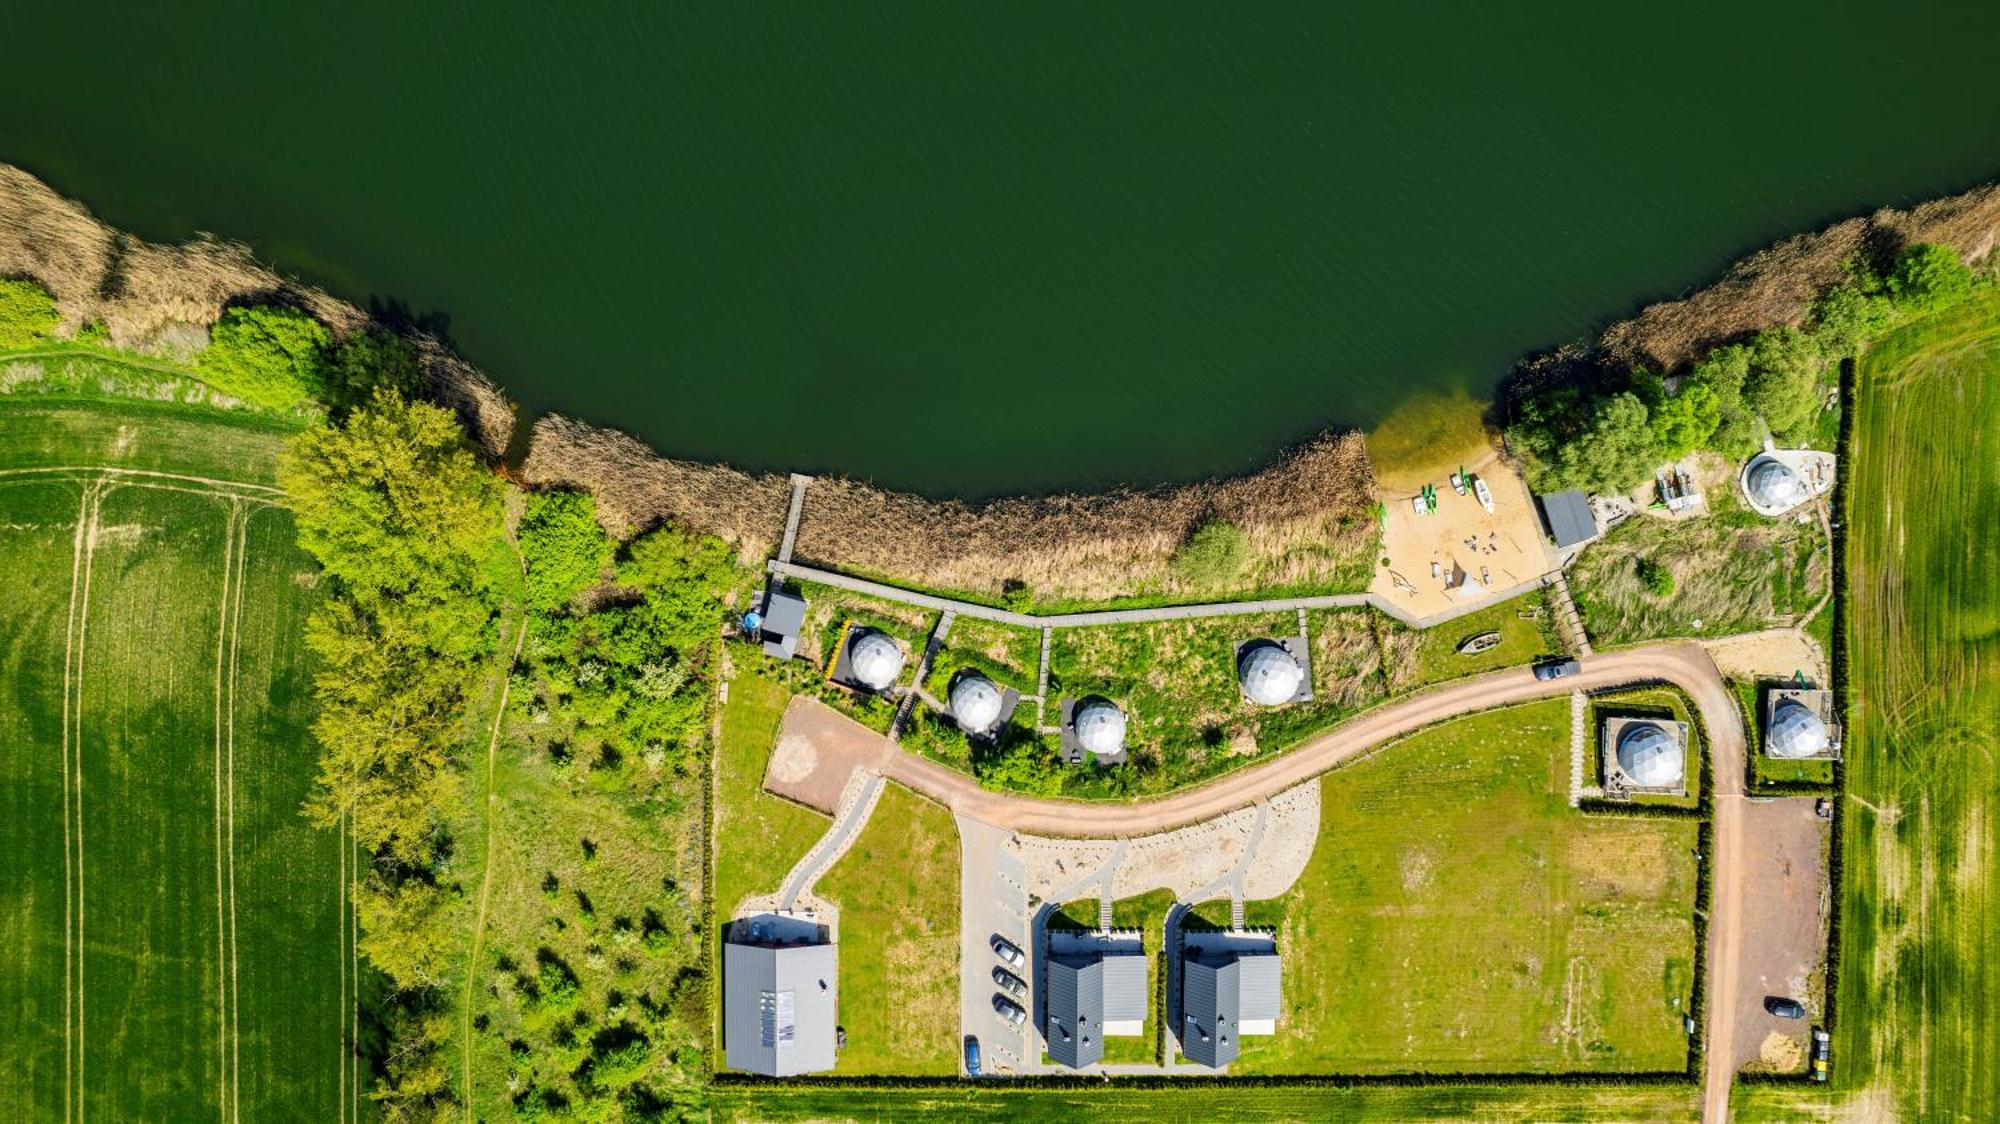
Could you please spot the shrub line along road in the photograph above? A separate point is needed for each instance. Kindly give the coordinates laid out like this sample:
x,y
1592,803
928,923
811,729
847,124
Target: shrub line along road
x,y
1683,664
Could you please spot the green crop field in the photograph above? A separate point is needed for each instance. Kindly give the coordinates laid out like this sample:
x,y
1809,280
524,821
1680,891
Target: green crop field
x,y
1917,1025
177,941
1397,959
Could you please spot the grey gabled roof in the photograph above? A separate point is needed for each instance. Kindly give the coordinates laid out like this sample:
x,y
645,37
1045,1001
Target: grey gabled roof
x,y
1220,991
1074,997
779,1008
1569,518
1209,1005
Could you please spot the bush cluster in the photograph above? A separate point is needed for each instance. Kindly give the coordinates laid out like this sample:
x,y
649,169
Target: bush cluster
x,y
27,314
1608,437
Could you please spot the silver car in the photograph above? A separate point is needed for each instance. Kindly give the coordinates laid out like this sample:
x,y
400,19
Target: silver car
x,y
1009,982
1008,951
1009,1011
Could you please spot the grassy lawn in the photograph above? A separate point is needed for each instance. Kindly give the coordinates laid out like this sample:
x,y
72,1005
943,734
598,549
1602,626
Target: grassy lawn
x,y
757,836
1458,915
1007,655
1413,659
201,916
157,437
897,891
1734,571
1914,1026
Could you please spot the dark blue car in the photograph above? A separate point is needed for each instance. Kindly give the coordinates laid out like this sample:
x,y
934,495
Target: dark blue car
x,y
972,1055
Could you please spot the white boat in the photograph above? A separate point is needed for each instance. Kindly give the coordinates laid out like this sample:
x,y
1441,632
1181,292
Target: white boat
x,y
1485,494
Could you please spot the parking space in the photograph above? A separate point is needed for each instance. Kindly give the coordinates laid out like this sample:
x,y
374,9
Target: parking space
x,y
1784,929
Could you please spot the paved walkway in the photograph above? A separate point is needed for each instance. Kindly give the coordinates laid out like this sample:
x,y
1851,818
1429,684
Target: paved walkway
x,y
1099,617
836,841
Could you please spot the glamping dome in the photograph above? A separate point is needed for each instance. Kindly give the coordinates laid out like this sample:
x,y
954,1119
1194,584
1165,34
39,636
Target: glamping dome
x,y
1270,675
874,659
975,703
1650,756
1773,485
1795,732
1100,727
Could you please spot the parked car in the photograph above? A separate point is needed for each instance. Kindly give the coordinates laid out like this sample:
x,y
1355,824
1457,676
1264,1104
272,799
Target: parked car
x,y
1009,982
972,1055
1010,1012
1784,1008
1557,669
1008,951
1822,1053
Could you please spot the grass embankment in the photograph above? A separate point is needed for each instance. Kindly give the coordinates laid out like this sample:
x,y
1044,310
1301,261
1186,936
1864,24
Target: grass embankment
x,y
1915,1034
1733,571
169,893
1413,659
1458,916
897,892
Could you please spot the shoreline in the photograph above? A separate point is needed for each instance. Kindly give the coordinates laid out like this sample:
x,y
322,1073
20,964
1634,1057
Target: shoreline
x,y
1301,511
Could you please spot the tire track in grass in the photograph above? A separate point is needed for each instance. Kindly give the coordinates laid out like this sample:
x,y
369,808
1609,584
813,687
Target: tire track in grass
x,y
486,878
221,926
239,513
71,952
73,783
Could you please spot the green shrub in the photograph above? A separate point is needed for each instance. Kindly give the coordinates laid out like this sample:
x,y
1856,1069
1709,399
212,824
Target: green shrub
x,y
1928,277
565,550
1655,577
1212,555
1783,381
270,357
27,314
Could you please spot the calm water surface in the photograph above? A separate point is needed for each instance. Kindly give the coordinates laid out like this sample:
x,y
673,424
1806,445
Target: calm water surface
x,y
965,248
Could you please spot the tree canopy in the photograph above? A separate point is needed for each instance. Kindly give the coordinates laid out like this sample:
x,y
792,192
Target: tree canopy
x,y
1928,277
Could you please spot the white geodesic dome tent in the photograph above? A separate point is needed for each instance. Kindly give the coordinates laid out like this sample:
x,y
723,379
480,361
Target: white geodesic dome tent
x,y
1270,675
1651,756
1100,727
1795,732
1773,484
975,703
874,659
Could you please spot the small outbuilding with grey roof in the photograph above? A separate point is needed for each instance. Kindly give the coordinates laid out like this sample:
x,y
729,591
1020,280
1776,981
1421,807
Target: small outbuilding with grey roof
x,y
780,998
1230,987
784,614
1568,518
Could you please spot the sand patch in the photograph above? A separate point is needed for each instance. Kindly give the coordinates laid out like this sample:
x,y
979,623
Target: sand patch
x,y
793,759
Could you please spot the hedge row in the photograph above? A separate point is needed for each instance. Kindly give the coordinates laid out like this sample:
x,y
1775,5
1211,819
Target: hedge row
x,y
1307,1081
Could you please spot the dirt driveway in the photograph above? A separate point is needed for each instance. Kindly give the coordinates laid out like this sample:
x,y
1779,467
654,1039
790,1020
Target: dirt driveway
x,y
1783,949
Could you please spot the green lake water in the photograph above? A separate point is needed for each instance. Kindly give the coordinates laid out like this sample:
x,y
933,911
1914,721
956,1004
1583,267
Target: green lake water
x,y
977,248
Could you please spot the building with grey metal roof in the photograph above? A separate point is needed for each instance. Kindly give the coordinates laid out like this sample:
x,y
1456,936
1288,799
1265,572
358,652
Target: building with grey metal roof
x,y
780,998
1567,515
1093,985
1230,986
784,614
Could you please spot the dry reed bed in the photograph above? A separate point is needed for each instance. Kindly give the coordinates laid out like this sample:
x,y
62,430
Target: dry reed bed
x,y
160,300
1305,518
1777,285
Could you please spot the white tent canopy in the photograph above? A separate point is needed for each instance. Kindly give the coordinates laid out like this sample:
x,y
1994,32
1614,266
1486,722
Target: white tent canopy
x,y
975,703
874,659
1100,727
1271,676
1795,732
1651,756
